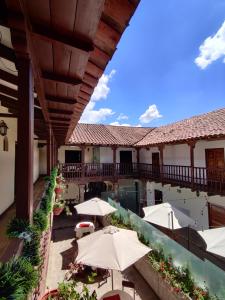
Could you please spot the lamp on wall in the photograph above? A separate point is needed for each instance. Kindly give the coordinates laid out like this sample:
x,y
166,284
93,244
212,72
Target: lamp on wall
x,y
3,132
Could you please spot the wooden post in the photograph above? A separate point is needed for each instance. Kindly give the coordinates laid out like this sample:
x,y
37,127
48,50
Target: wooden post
x,y
114,162
192,147
161,147
83,161
138,160
49,152
25,136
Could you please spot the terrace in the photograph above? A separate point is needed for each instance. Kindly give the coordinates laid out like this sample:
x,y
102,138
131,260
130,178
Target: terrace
x,y
198,179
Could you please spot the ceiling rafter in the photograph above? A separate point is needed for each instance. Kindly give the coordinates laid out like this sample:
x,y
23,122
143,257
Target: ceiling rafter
x,y
58,99
61,78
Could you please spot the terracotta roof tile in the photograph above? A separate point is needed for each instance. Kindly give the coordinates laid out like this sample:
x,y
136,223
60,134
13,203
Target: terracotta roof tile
x,y
98,134
211,124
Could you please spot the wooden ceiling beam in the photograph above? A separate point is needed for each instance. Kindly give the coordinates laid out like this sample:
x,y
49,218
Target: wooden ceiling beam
x,y
57,99
61,78
59,119
7,53
8,77
8,91
5,115
60,124
112,23
60,111
74,40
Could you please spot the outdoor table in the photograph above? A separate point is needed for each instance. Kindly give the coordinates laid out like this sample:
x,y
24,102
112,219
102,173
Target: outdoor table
x,y
123,295
84,227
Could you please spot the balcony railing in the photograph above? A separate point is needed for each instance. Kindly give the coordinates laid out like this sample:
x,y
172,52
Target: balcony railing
x,y
202,179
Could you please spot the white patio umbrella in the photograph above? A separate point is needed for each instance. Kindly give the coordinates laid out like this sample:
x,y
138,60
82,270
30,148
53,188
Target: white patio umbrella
x,y
167,216
95,207
111,248
215,240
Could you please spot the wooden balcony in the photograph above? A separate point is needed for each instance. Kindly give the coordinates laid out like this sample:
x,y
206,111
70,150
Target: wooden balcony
x,y
199,179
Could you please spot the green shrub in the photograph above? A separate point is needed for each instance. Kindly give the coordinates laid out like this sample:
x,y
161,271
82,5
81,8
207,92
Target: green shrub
x,y
40,220
31,249
46,204
17,279
16,226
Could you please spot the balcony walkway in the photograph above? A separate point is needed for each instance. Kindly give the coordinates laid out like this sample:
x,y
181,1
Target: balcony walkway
x,y
63,251
196,178
5,242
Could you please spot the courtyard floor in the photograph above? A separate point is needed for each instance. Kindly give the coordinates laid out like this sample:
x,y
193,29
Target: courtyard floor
x,y
63,251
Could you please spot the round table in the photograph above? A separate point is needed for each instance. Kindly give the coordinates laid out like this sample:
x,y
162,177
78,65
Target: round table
x,y
79,230
123,295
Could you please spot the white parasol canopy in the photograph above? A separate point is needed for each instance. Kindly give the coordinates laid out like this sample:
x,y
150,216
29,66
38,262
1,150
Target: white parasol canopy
x,y
215,240
95,207
111,248
167,216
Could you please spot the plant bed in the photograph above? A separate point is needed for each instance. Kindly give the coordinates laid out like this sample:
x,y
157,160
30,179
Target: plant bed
x,y
68,291
160,286
53,294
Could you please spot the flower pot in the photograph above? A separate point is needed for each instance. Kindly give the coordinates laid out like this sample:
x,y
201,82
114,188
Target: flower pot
x,y
58,190
57,210
50,294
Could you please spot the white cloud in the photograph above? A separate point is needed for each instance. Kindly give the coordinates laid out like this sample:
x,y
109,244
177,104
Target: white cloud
x,y
150,114
212,48
90,114
122,117
102,89
116,123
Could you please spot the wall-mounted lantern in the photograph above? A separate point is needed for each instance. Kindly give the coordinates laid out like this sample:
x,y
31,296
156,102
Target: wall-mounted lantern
x,y
3,132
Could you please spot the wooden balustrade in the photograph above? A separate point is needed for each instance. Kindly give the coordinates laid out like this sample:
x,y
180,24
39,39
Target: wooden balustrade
x,y
198,178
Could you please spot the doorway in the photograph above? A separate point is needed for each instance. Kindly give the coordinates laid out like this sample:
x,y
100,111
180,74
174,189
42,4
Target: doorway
x,y
126,162
72,156
215,167
155,164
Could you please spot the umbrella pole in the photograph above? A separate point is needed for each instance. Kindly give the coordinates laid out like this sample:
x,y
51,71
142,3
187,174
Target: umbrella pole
x,y
112,278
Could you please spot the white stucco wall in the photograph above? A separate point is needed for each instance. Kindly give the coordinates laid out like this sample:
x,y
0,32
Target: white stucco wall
x,y
106,155
180,154
7,164
199,151
146,154
43,160
188,202
36,171
177,155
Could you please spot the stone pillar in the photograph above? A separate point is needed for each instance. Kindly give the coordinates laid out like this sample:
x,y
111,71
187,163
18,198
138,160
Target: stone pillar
x,y
25,137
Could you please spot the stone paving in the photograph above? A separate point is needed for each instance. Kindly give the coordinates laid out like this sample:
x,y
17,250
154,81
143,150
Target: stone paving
x,y
63,251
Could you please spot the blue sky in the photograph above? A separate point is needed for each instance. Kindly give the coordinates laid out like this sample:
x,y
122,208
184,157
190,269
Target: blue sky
x,y
155,64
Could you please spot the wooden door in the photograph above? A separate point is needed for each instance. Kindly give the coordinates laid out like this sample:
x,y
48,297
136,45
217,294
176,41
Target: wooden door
x,y
216,215
215,164
155,164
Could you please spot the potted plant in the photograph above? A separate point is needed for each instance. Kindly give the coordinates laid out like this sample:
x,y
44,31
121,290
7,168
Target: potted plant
x,y
68,291
58,207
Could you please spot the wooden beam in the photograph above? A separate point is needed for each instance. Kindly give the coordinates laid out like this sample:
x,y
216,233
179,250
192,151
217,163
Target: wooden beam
x,y
7,53
59,119
8,91
61,78
8,77
25,136
112,23
2,115
73,40
57,99
60,124
59,111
